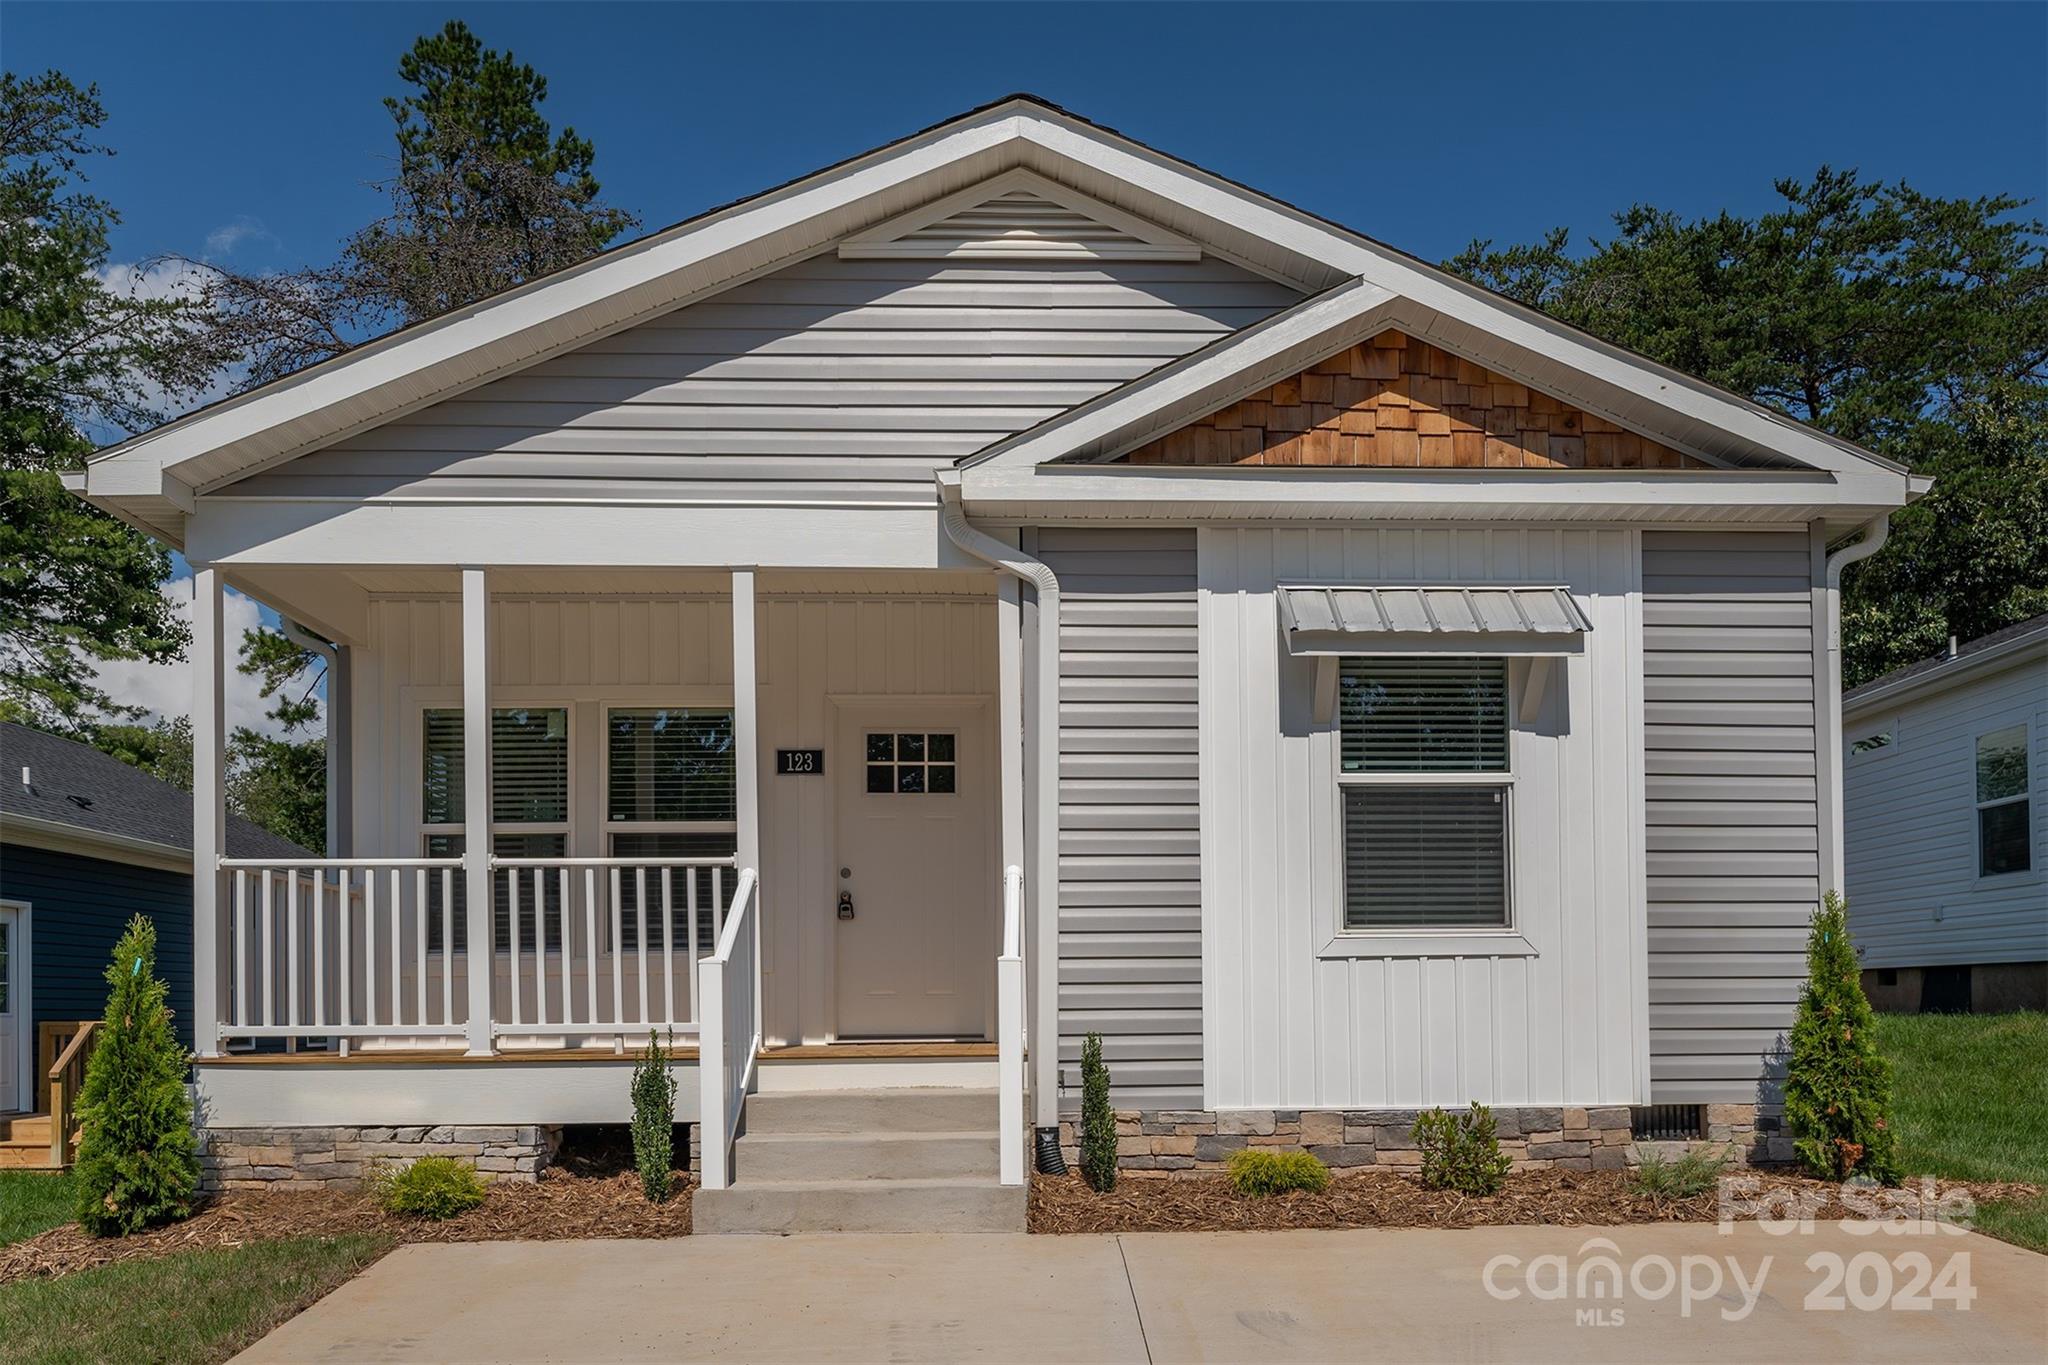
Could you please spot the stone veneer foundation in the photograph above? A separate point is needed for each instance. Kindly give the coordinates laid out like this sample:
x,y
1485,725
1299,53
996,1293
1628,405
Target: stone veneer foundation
x,y
322,1158
1565,1138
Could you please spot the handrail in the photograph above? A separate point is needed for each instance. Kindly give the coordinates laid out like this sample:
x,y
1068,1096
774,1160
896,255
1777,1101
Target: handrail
x,y
60,1099
728,1031
728,861
318,864
1010,1031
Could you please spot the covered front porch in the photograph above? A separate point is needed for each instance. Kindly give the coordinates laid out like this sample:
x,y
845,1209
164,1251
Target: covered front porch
x,y
765,814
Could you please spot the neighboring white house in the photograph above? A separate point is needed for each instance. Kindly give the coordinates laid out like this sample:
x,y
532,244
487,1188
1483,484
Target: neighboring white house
x,y
1009,585
1946,807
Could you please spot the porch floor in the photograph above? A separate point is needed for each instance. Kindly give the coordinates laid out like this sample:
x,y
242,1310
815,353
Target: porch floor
x,y
685,1053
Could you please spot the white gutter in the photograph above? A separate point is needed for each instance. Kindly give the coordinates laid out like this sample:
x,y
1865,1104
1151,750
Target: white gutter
x,y
1043,835
1875,532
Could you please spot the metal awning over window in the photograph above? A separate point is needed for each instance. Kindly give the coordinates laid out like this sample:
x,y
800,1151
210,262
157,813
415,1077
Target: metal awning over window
x,y
1490,620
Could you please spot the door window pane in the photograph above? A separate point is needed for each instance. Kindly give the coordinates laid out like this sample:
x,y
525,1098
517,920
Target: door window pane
x,y
913,764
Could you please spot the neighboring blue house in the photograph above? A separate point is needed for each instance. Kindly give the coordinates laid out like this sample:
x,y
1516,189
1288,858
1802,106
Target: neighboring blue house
x,y
86,841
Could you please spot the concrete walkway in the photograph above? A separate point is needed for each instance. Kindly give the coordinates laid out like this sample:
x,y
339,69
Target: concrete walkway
x,y
1285,1296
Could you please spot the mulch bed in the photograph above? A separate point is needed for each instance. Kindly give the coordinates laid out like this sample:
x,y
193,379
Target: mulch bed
x,y
1206,1203
560,1205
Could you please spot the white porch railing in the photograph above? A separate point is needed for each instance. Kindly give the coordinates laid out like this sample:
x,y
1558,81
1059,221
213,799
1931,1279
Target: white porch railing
x,y
586,950
604,947
729,1037
1010,1031
338,948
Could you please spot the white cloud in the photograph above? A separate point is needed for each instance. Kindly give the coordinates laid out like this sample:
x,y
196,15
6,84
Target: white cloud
x,y
165,279
165,690
223,240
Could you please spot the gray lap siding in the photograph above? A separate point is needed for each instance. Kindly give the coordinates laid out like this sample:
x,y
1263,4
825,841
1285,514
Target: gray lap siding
x,y
1130,932
1731,716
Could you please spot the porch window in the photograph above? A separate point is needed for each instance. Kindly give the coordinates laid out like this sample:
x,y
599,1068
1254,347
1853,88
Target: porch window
x,y
529,815
2005,823
671,792
1424,782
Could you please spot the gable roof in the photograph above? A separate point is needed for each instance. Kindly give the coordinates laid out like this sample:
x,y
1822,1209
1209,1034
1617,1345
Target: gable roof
x,y
77,788
154,478
1998,649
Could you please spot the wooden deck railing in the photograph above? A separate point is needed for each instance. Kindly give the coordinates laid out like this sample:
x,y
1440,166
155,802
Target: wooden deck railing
x,y
66,1046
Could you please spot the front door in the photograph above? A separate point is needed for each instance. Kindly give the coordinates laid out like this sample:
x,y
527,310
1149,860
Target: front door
x,y
914,870
11,1026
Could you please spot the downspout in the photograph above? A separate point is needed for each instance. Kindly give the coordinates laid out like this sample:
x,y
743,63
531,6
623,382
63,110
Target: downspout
x,y
1874,533
1043,833
339,795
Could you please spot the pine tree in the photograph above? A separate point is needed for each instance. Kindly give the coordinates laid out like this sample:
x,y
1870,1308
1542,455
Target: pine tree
x,y
138,1162
654,1109
1838,1089
1098,1120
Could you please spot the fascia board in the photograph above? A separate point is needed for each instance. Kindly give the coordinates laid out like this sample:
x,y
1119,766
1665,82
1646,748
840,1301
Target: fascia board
x,y
1356,256
542,308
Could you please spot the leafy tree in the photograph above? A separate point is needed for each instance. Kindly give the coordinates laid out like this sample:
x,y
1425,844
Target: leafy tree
x,y
280,784
1838,1087
76,354
486,196
138,1162
163,748
1914,325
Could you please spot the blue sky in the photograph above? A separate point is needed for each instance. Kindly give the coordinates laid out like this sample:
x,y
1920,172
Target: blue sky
x,y
247,132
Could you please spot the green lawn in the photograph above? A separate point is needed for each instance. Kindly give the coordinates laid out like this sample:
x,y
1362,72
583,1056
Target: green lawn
x,y
196,1306
1971,1103
32,1202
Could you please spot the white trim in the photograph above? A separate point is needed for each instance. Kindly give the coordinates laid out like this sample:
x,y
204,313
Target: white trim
x,y
21,994
31,831
2025,795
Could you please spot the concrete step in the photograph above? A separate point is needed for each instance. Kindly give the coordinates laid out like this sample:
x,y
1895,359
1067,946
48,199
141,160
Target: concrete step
x,y
761,1157
946,1205
923,1110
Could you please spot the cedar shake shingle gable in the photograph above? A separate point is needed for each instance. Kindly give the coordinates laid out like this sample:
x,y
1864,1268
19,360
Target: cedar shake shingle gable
x,y
1395,402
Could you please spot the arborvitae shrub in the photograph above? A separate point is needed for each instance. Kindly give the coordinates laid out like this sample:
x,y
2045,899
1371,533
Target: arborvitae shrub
x,y
654,1109
138,1162
1838,1089
434,1187
1259,1171
1098,1120
1461,1151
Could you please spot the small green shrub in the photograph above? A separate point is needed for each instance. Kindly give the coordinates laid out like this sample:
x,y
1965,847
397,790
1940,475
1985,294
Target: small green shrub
x,y
654,1119
1694,1172
1838,1087
138,1161
434,1187
1461,1151
1259,1171
1098,1120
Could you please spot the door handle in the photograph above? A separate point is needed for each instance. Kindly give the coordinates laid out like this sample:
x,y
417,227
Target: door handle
x,y
846,905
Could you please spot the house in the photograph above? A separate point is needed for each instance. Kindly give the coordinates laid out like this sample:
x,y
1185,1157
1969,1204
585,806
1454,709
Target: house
x,y
1947,828
86,843
1011,584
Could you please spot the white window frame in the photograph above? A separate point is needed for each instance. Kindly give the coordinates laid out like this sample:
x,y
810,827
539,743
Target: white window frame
x,y
2025,795
1492,940
425,830
608,827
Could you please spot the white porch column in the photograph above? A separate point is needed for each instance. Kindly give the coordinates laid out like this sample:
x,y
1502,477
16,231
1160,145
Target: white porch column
x,y
476,803
209,809
745,722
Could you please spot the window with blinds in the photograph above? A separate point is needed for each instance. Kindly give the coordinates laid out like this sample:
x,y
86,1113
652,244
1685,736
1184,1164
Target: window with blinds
x,y
670,766
1423,849
671,792
529,816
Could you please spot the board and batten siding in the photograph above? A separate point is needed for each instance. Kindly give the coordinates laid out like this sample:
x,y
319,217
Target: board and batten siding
x,y
587,652
1910,815
1734,809
1130,932
1290,1025
827,372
